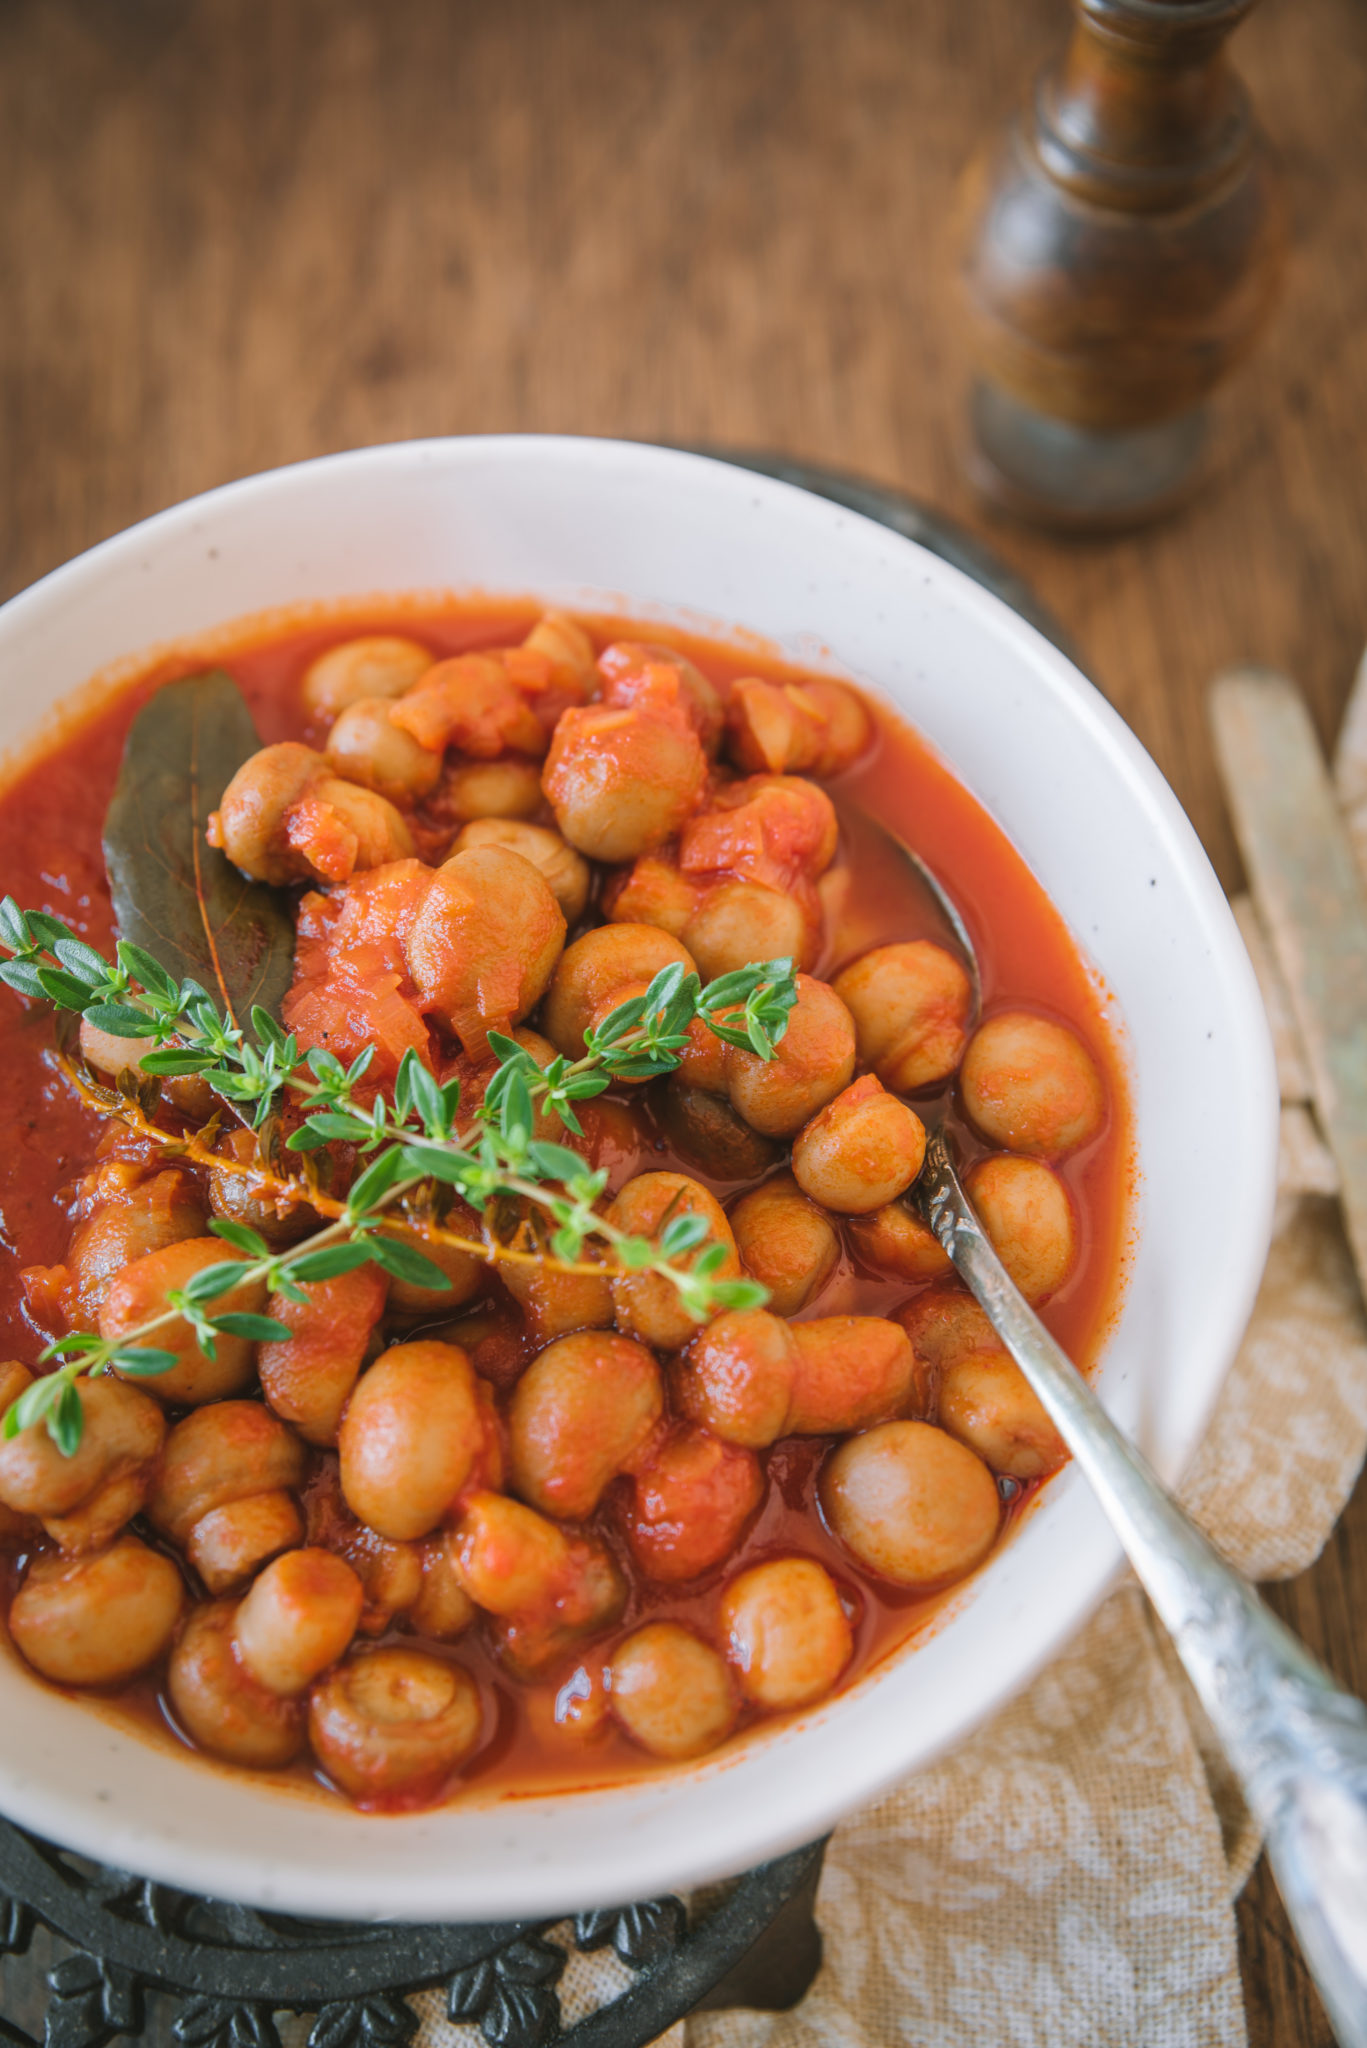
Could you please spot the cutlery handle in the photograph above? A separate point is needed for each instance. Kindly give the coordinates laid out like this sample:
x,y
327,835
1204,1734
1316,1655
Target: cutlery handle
x,y
1296,1741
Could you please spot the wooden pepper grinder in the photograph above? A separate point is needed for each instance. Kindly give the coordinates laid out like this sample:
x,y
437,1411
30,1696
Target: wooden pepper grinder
x,y
1122,247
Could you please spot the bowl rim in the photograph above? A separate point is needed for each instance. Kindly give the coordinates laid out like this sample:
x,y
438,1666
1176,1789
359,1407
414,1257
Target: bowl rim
x,y
199,1867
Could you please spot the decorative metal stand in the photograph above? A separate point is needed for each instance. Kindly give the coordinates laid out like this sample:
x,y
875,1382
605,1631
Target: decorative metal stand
x,y
914,521
136,1958
89,1954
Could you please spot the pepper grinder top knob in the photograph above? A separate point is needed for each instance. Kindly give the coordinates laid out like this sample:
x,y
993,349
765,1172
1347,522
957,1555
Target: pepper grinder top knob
x,y
1122,245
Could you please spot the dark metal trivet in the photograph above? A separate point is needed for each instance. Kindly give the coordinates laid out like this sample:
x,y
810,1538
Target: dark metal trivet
x,y
136,1958
88,1954
914,521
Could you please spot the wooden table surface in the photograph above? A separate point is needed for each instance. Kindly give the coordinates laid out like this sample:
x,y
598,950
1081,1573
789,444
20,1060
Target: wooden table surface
x,y
238,232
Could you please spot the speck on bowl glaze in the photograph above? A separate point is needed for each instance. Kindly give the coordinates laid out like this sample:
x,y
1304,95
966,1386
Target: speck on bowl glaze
x,y
610,527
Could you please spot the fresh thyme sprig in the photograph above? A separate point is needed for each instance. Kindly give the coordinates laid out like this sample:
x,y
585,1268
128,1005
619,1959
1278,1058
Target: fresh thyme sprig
x,y
408,1144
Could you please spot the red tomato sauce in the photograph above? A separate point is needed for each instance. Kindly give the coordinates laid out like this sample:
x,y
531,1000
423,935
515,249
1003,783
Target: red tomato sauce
x,y
51,813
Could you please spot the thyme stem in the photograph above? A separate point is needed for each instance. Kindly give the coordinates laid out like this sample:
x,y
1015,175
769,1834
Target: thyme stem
x,y
403,1141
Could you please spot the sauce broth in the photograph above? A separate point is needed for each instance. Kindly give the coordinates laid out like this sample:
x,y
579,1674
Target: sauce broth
x,y
51,813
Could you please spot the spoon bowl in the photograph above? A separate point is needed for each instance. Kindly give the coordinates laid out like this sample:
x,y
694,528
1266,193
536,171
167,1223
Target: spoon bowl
x,y
948,910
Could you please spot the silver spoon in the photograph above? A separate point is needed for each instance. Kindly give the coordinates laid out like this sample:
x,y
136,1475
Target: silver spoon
x,y
1296,1742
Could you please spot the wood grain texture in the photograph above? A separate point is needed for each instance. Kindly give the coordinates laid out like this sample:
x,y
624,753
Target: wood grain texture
x,y
238,232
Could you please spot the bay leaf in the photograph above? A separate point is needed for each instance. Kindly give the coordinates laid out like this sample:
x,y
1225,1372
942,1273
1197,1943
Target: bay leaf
x,y
173,893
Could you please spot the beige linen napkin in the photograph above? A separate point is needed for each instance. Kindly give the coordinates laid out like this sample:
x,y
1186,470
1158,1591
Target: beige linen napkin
x,y
1067,1876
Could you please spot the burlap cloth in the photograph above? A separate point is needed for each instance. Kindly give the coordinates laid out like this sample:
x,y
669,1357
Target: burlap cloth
x,y
1068,1875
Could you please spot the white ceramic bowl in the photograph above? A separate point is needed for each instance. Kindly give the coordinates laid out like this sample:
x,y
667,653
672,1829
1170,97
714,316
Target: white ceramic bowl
x,y
605,525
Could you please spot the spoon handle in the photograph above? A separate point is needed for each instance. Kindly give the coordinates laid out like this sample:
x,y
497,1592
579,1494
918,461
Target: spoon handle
x,y
1295,1740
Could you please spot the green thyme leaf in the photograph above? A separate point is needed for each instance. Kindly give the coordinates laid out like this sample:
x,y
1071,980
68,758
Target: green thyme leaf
x,y
34,1403
760,1040
556,1162
582,1087
256,1329
48,931
74,1342
137,962
326,1127
119,1020
405,1263
453,1168
739,1294
403,1085
425,1097
379,1178
683,1234
616,1024
83,961
24,977
729,989
66,1420
206,1336
267,1030
14,926
327,1262
643,1066
515,1112
242,1235
143,1361
664,987
211,1281
62,988
729,1035
174,1060
306,1139
506,1048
